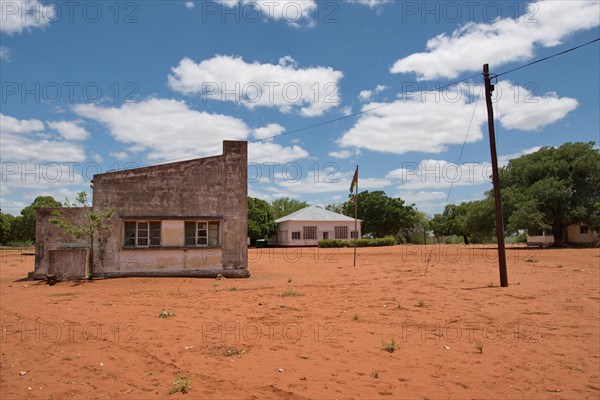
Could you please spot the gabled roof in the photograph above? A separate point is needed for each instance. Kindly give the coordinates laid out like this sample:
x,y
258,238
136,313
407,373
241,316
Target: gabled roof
x,y
314,213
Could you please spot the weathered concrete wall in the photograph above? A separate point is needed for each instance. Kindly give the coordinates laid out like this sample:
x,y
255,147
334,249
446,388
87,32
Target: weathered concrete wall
x,y
51,237
68,263
206,188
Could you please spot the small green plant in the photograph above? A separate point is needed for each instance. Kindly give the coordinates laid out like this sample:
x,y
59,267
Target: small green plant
x,y
421,304
289,280
232,289
232,351
64,294
356,317
165,314
391,346
479,347
181,384
374,374
290,293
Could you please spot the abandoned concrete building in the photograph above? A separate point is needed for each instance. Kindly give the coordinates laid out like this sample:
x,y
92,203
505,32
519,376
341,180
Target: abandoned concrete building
x,y
186,218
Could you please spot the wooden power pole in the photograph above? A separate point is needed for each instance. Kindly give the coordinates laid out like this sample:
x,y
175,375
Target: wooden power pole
x,y
489,88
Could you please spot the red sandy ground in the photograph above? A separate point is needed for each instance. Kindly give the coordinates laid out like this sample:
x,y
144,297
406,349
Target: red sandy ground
x,y
104,339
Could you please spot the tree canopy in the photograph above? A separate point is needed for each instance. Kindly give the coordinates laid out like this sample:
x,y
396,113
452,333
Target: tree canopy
x,y
21,229
285,206
552,188
261,223
471,220
381,215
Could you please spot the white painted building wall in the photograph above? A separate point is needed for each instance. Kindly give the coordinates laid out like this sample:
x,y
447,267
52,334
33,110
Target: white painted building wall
x,y
325,230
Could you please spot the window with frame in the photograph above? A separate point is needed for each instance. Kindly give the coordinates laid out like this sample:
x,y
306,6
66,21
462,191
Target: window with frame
x,y
295,235
201,233
354,235
341,232
583,229
309,232
142,234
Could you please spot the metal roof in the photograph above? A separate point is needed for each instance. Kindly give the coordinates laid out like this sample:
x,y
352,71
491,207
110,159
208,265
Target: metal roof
x,y
314,213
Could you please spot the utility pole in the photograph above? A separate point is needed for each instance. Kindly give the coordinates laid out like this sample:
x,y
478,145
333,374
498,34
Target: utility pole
x,y
489,88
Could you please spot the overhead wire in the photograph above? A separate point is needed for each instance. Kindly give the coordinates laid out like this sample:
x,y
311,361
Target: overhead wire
x,y
404,97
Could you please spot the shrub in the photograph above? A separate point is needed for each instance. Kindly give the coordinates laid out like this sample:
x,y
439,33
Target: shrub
x,y
328,243
386,241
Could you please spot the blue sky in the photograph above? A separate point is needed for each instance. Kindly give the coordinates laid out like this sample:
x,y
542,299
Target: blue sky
x,y
91,86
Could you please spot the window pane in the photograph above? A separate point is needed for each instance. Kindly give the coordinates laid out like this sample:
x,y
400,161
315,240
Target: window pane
x,y
213,234
142,225
202,241
129,234
155,233
190,233
310,232
142,241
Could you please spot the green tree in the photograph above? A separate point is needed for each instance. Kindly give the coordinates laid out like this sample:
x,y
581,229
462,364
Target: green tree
x,y
473,221
6,226
23,227
336,208
285,206
416,227
261,223
91,225
453,221
552,188
381,215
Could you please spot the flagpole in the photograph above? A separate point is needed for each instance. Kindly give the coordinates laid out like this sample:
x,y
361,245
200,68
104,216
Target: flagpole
x,y
355,217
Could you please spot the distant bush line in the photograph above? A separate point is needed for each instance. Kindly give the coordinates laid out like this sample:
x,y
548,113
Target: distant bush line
x,y
386,241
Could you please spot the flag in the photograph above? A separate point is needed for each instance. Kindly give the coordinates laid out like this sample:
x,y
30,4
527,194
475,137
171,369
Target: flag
x,y
351,198
354,181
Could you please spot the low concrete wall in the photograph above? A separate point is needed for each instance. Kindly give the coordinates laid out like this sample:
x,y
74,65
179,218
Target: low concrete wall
x,y
68,263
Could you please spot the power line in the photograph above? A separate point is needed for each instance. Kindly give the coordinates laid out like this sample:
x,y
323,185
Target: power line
x,y
368,110
464,142
545,58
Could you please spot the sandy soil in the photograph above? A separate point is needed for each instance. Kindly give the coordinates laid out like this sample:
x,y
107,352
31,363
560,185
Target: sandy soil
x,y
308,324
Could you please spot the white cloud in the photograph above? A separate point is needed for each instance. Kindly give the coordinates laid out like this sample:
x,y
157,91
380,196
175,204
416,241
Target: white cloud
x,y
370,3
439,174
366,95
26,140
545,24
503,160
189,5
260,152
119,155
413,125
267,132
311,91
520,109
17,16
430,122
426,201
344,153
13,207
96,157
326,183
5,54
346,111
69,130
167,128
170,130
295,13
